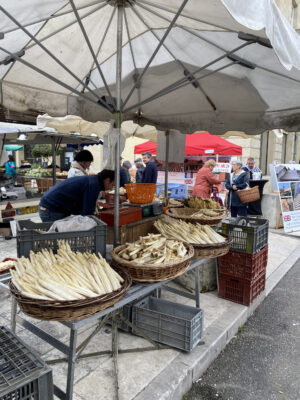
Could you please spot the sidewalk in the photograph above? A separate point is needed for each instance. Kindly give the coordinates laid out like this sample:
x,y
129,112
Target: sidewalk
x,y
162,374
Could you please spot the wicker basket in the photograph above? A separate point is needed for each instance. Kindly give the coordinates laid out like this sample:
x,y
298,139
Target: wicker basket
x,y
249,195
5,271
52,310
212,250
150,272
140,193
186,215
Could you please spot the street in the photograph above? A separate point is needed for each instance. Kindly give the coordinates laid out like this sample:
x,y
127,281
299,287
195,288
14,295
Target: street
x,y
263,361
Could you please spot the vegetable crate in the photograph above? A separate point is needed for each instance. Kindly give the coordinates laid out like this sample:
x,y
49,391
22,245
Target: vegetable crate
x,y
173,324
175,190
240,290
248,238
23,374
243,265
34,236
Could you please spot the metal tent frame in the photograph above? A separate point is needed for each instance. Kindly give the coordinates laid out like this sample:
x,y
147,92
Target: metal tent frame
x,y
116,105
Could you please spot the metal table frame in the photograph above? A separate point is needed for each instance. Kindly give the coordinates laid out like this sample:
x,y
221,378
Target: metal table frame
x,y
73,352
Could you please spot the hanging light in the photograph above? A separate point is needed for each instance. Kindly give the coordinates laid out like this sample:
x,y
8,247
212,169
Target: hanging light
x,y
23,136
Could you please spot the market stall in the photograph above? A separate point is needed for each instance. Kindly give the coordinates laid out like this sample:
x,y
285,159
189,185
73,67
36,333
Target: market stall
x,y
234,100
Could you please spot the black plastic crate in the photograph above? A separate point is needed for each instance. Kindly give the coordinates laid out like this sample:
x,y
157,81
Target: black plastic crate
x,y
33,236
249,235
23,374
173,324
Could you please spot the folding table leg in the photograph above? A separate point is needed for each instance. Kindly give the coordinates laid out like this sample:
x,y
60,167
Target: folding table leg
x,y
115,350
71,364
13,315
197,287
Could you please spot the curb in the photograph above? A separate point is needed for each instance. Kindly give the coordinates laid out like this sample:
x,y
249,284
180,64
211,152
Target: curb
x,y
178,377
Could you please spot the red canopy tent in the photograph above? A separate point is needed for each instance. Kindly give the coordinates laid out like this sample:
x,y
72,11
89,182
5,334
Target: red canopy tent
x,y
198,144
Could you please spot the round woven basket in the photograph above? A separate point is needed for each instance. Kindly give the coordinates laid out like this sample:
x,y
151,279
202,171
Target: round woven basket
x,y
140,193
152,272
53,310
249,195
212,250
186,215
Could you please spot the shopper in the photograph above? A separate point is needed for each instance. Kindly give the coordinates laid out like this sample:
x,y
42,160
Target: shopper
x,y
123,176
10,169
251,168
150,171
237,180
139,170
74,196
127,165
81,164
205,180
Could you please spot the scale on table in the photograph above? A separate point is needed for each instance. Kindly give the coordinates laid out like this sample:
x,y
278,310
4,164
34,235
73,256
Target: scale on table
x,y
148,209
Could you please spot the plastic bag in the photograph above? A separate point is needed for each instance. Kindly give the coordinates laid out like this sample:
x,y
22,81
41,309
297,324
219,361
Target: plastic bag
x,y
73,223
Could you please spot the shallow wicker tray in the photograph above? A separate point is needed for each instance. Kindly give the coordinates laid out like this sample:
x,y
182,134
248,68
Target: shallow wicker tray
x,y
212,250
52,310
186,215
6,270
150,272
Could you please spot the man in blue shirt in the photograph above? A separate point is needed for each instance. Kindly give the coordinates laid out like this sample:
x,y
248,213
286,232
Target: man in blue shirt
x,y
150,172
251,167
74,196
123,176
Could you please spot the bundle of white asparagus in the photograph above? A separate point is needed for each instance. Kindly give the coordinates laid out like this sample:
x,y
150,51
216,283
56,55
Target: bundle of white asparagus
x,y
192,233
153,249
64,276
208,214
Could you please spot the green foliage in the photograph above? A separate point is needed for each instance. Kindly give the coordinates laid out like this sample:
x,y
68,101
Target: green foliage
x,y
44,150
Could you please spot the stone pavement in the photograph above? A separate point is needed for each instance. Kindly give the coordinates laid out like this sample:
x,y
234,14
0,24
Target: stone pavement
x,y
162,374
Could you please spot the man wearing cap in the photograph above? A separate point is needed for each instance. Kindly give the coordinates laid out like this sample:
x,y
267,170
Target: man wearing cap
x,y
139,170
150,172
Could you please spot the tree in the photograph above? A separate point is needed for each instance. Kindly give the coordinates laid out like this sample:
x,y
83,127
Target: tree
x,y
44,151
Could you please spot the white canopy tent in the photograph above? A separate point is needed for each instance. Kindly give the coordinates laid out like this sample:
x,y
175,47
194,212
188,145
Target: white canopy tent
x,y
214,65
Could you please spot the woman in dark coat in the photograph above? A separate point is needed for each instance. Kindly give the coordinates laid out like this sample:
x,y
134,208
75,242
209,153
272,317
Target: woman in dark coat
x,y
238,180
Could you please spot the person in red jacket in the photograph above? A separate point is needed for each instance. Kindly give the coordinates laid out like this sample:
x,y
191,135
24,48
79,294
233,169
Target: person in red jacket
x,y
205,180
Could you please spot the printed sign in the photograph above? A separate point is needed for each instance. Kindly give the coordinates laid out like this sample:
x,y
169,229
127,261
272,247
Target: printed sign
x,y
222,167
209,151
288,183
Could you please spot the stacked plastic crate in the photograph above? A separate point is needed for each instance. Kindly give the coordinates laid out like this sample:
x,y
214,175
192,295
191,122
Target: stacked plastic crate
x,y
242,271
23,375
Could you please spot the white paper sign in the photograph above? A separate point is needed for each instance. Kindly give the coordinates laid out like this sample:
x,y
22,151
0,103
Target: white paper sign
x,y
288,183
222,167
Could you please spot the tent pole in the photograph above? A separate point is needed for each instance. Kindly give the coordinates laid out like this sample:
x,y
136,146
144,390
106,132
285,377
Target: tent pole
x,y
167,133
118,118
53,160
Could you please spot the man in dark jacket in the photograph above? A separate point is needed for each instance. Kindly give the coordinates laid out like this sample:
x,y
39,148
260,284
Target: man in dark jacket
x,y
150,172
123,176
74,196
139,170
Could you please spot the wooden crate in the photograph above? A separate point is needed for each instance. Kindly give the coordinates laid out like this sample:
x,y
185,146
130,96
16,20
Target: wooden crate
x,y
132,232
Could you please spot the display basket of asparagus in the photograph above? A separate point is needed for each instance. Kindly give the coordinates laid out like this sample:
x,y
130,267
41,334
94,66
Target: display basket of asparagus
x,y
201,216
66,286
153,258
206,242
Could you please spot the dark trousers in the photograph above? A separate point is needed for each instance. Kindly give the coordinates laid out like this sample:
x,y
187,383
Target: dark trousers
x,y
241,211
50,216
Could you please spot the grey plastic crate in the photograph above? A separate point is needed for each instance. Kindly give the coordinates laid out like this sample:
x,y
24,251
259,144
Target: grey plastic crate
x,y
23,374
33,236
174,324
249,238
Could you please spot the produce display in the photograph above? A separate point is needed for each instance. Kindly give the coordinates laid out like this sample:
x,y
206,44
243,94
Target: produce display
x,y
64,276
5,265
122,191
201,203
191,233
173,202
207,213
39,173
153,249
